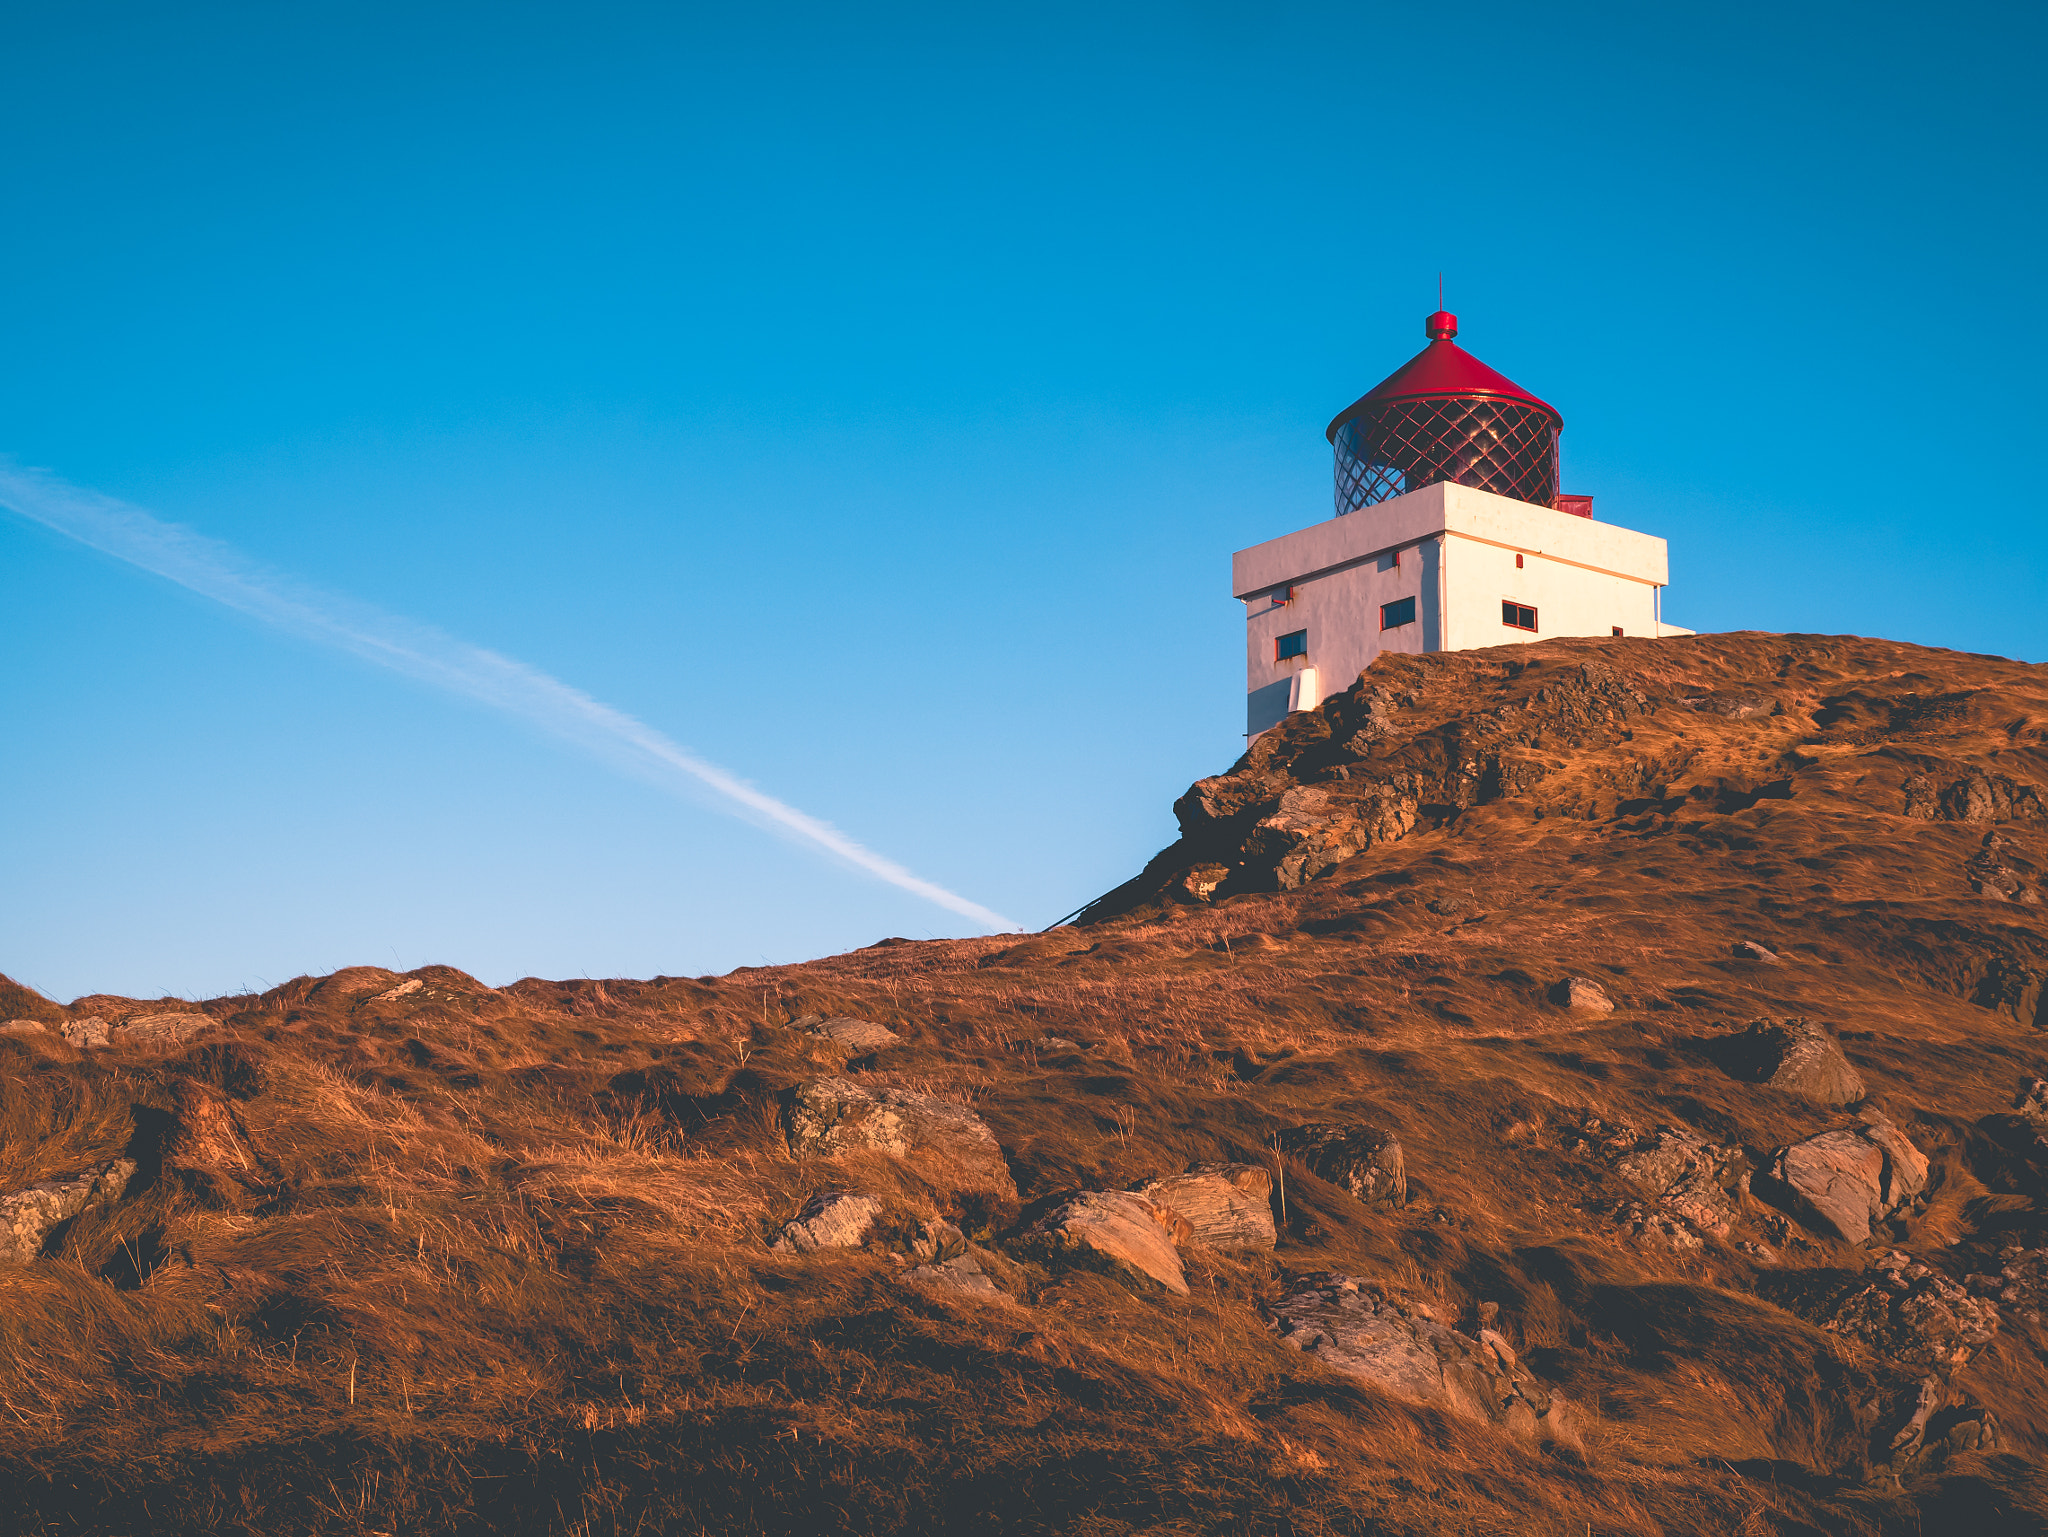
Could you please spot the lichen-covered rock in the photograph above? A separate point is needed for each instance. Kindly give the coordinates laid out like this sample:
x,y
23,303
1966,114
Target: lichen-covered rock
x,y
1798,1056
1364,1160
829,1222
1841,1182
27,1216
1116,1231
160,1030
1916,1316
1358,1330
854,1037
88,1030
1686,1176
1582,995
1228,1205
827,1117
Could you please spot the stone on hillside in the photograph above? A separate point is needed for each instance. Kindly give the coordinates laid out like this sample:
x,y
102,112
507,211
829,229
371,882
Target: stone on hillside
x,y
854,1037
1750,950
1842,1182
1365,1161
2021,1284
160,1030
829,1222
1734,704
2031,1103
1582,995
27,1216
1799,1057
961,1275
90,1030
404,989
831,1116
1113,1230
1916,1316
1362,1333
23,1027
2012,988
1684,1174
1228,1205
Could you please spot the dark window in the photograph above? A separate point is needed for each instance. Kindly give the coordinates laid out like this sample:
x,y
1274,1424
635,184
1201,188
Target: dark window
x,y
1282,595
1291,645
1513,613
1393,615
1617,629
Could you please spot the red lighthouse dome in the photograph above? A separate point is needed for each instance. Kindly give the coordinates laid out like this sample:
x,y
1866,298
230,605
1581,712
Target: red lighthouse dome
x,y
1444,415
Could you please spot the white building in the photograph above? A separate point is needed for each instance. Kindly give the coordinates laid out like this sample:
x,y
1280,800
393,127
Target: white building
x,y
1450,535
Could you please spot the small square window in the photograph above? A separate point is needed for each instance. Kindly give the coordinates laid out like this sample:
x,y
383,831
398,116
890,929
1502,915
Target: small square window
x,y
1393,615
1286,646
1518,615
1617,629
1281,596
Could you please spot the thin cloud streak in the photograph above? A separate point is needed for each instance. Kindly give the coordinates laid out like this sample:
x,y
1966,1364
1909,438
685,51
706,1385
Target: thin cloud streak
x,y
220,572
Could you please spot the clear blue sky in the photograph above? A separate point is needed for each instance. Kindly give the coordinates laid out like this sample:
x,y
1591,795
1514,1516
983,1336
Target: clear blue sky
x,y
871,401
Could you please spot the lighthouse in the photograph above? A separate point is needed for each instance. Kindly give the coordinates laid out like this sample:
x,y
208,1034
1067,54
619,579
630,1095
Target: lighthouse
x,y
1449,534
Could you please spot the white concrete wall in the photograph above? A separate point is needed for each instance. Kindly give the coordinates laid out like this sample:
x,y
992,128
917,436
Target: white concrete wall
x,y
1452,549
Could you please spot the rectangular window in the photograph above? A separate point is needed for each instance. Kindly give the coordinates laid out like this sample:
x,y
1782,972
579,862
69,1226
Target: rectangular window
x,y
1617,629
1393,615
1286,646
1518,562
1517,615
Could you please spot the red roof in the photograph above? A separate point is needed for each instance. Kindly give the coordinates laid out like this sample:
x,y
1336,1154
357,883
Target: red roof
x,y
1443,368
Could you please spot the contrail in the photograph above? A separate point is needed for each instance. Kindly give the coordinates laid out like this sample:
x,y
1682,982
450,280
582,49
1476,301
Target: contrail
x,y
218,571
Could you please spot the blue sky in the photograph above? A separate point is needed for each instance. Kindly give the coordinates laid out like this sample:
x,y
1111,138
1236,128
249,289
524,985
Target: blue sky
x,y
870,402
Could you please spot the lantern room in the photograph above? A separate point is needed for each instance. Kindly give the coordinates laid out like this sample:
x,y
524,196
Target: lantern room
x,y
1444,415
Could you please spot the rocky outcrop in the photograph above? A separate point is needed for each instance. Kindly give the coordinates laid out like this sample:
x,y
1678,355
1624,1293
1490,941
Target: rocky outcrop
x,y
949,1264
160,1031
1973,797
829,1222
27,1216
1362,1159
1915,1316
1795,1055
853,1037
2012,987
87,1031
1843,1182
830,1116
1582,995
1226,1205
1686,1180
1115,1231
1403,1349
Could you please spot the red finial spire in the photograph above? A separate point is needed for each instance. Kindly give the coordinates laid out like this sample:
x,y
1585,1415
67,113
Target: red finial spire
x,y
1441,326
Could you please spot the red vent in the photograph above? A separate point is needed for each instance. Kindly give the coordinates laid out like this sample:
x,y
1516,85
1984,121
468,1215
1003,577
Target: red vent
x,y
1577,506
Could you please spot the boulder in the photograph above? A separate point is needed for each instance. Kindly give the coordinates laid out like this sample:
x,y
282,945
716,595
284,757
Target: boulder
x,y
1115,1231
1402,1349
160,1030
89,1030
854,1037
27,1216
1916,1316
1227,1205
830,1116
404,989
1797,1056
953,1265
2020,1286
1750,950
829,1222
1582,995
23,1027
1365,1161
2031,1103
1841,1182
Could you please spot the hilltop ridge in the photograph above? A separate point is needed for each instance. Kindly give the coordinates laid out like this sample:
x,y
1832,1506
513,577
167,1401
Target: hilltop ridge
x,y
1589,1085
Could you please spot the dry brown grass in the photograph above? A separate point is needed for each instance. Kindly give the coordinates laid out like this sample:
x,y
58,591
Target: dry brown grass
x,y
485,1261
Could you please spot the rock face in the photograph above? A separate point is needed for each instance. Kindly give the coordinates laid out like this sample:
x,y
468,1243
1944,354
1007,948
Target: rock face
x,y
88,1031
830,1116
1582,995
1798,1056
855,1037
1365,1161
1228,1205
829,1222
160,1030
1357,1330
1841,1182
27,1216
1916,1316
1685,1176
1115,1231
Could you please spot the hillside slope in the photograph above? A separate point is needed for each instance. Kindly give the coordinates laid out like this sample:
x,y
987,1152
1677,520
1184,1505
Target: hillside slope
x,y
1606,1068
